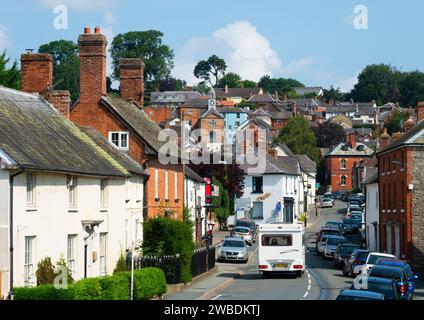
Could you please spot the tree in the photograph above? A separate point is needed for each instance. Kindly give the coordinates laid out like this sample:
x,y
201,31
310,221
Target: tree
x,y
202,88
249,84
214,67
45,272
377,82
412,88
9,77
328,134
335,94
65,65
147,45
396,121
232,80
282,85
299,138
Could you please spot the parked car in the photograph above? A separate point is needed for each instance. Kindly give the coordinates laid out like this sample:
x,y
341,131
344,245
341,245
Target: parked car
x,y
351,226
343,252
371,260
331,245
245,233
336,224
233,249
403,265
327,202
357,258
359,295
398,274
321,245
249,224
387,287
326,231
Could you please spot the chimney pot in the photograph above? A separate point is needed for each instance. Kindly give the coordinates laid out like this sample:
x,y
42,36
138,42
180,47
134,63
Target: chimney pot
x,y
87,30
97,30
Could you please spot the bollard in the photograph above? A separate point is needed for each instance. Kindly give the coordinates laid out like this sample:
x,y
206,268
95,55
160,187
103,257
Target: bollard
x,y
306,222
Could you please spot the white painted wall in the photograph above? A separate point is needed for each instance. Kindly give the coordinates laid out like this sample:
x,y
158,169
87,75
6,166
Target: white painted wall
x,y
192,190
4,230
51,220
372,215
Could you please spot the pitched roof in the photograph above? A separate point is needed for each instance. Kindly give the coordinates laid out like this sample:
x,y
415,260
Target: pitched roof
x,y
285,148
306,164
124,160
307,90
173,96
231,110
201,102
237,92
265,98
365,111
415,136
212,111
345,150
191,174
371,175
38,137
279,165
260,112
341,109
136,119
281,115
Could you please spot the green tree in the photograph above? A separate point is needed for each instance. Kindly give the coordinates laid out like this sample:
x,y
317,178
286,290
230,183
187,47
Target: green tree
x,y
212,69
282,85
202,87
45,272
335,94
299,138
245,104
9,77
249,84
412,88
65,65
232,80
379,82
328,134
147,45
396,121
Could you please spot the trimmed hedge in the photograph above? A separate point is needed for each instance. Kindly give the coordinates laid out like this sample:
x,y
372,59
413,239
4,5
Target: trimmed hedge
x,y
148,283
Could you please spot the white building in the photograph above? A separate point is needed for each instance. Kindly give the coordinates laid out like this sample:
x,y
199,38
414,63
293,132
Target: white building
x,y
372,218
194,200
74,195
307,182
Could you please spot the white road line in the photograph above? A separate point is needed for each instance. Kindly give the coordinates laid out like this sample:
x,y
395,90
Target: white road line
x,y
309,288
306,294
217,297
310,281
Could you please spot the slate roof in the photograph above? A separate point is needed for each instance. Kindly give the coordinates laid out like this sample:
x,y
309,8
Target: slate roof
x,y
172,96
371,175
306,164
38,137
285,148
338,151
303,103
415,136
191,174
230,110
365,111
237,92
261,112
280,165
264,98
281,115
341,109
307,90
124,160
212,111
197,102
136,119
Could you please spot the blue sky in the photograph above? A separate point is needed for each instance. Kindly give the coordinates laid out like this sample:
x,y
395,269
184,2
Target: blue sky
x,y
313,41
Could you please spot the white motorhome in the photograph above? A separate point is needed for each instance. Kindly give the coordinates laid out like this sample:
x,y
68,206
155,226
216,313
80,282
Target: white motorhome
x,y
282,248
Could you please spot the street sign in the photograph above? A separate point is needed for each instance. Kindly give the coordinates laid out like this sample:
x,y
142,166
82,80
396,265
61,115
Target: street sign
x,y
242,204
278,207
215,191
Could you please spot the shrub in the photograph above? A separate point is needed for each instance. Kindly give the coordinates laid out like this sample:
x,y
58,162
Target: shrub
x,y
43,292
87,289
62,263
45,272
148,283
121,265
115,287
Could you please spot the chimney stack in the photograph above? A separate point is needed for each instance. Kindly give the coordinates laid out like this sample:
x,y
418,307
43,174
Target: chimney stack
x,y
384,139
273,153
132,80
61,100
294,108
226,88
92,53
36,72
420,111
351,139
396,136
409,124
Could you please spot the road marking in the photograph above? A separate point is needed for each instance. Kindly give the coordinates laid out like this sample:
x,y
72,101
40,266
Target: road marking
x,y
309,288
306,294
217,297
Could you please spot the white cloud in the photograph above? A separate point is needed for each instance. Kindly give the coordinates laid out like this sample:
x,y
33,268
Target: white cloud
x,y
246,51
297,66
347,84
110,18
83,5
4,41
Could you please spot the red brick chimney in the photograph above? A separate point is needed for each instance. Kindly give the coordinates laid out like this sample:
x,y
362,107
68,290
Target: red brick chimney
x,y
351,139
384,139
92,53
420,111
273,153
132,80
36,72
409,124
61,99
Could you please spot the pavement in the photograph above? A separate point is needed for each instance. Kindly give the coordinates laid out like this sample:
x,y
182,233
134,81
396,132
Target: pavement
x,y
244,282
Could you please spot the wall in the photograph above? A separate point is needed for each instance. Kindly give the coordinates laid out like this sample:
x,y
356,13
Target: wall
x,y
334,172
372,216
231,127
192,114
193,190
417,216
4,231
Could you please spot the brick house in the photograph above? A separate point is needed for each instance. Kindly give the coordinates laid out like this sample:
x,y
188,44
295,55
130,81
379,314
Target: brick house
x,y
340,161
161,115
401,188
192,110
212,125
121,121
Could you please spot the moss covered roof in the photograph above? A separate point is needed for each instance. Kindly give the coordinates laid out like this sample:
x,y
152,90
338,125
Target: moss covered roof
x,y
37,136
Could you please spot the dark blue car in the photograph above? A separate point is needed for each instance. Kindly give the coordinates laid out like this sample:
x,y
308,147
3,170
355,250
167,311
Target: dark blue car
x,y
394,273
387,287
402,265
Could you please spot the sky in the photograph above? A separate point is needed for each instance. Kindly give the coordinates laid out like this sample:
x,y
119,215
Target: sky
x,y
320,43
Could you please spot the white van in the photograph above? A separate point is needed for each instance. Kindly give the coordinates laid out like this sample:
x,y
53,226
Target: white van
x,y
282,248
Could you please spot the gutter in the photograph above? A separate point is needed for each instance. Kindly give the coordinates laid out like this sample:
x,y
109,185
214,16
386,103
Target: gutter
x,y
11,248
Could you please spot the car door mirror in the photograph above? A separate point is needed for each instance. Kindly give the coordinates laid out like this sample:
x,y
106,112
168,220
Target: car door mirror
x,y
415,275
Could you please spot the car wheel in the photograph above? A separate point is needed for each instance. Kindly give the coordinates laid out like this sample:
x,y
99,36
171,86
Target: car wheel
x,y
265,275
345,274
299,274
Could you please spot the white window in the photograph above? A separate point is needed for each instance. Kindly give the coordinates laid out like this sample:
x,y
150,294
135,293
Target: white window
x,y
212,123
72,191
166,185
30,188
175,185
156,184
212,137
103,193
103,254
119,139
343,180
72,239
343,164
29,273
127,189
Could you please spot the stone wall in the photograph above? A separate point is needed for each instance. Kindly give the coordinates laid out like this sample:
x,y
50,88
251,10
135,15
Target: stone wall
x,y
417,216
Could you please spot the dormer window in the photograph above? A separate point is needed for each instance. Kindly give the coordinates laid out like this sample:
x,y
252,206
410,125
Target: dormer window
x,y
120,139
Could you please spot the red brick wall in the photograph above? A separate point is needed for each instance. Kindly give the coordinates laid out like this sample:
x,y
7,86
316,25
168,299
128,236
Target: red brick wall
x,y
334,172
61,99
36,72
394,195
132,80
278,126
159,114
193,116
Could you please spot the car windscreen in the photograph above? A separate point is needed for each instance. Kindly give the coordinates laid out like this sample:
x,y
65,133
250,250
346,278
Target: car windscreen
x,y
277,240
326,199
384,288
343,298
334,241
363,254
335,224
347,249
388,273
233,244
246,224
331,232
242,230
373,259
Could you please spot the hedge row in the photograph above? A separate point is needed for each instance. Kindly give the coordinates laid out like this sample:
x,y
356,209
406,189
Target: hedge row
x,y
148,283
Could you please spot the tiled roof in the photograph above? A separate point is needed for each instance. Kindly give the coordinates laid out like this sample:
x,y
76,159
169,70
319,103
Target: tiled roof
x,y
341,109
237,92
198,102
280,115
38,137
415,136
371,175
265,98
344,150
172,96
307,164
230,110
280,165
212,111
191,174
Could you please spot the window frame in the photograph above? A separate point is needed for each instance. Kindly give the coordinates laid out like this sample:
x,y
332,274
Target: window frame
x,y
103,246
31,193
343,177
29,258
343,164
120,140
104,199
70,254
72,186
254,184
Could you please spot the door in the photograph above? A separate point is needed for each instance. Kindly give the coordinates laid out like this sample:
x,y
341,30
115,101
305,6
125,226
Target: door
x,y
258,210
288,210
389,238
397,242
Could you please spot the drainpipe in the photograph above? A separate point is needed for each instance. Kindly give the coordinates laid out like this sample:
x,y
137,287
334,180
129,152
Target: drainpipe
x,y
11,248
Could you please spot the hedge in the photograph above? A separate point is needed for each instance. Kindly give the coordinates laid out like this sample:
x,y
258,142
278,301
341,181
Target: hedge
x,y
148,283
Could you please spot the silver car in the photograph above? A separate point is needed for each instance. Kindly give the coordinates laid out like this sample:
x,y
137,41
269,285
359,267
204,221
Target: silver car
x,y
245,233
233,249
331,246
